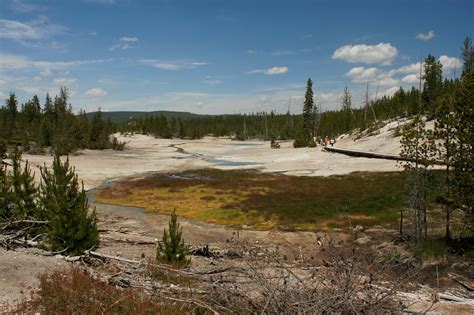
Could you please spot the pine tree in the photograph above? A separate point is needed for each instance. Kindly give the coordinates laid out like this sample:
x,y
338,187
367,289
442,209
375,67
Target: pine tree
x,y
467,56
172,248
98,137
346,100
463,154
24,189
304,137
11,116
308,112
347,108
433,84
417,147
445,130
73,228
6,195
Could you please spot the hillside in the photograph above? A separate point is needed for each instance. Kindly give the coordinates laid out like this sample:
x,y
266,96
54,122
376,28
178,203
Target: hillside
x,y
122,116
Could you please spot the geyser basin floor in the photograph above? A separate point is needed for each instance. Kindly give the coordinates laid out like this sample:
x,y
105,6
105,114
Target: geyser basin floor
x,y
263,201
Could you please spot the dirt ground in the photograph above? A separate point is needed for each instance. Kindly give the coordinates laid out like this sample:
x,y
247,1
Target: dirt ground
x,y
121,226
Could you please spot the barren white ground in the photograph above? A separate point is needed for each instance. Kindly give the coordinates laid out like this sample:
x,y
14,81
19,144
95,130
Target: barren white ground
x,y
147,154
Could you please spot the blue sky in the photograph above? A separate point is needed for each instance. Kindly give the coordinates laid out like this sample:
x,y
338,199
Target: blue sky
x,y
222,56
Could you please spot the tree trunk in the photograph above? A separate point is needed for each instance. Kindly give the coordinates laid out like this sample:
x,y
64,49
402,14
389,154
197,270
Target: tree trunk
x,y
401,223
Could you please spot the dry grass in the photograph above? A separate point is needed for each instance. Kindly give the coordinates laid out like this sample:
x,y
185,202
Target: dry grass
x,y
74,291
265,201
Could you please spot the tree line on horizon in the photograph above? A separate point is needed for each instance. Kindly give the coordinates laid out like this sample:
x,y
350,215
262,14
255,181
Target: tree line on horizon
x,y
312,122
54,125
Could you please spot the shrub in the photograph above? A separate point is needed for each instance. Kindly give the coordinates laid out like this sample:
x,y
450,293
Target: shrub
x,y
172,249
74,291
118,145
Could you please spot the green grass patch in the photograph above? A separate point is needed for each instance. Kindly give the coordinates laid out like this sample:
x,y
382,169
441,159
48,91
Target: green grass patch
x,y
265,201
469,255
431,248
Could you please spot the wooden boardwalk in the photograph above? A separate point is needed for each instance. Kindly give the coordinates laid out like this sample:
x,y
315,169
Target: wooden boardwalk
x,y
371,155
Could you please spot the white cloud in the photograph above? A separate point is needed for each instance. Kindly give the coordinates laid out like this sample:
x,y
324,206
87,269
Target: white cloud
x,y
251,51
129,39
22,6
364,75
125,42
283,53
25,32
329,99
110,2
212,82
425,37
95,93
411,79
361,74
171,65
270,71
12,62
8,62
383,53
450,64
388,81
64,81
390,91
3,96
276,70
413,68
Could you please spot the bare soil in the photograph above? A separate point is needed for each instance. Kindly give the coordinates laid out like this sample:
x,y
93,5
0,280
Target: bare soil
x,y
129,232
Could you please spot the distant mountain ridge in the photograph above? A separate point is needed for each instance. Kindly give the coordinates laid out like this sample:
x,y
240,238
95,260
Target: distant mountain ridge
x,y
123,116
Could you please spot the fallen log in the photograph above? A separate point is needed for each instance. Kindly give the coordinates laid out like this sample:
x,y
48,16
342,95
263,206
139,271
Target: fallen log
x,y
453,298
8,224
127,241
462,283
105,256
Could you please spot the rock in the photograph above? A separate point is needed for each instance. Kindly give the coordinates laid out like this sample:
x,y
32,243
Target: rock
x,y
359,228
362,240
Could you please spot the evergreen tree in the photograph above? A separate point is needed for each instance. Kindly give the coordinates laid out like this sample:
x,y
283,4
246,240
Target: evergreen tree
x,y
65,204
304,137
11,116
433,84
463,155
417,147
445,131
24,189
308,110
346,100
347,108
6,195
98,138
172,248
467,56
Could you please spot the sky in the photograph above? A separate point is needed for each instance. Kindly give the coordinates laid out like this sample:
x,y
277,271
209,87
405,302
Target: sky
x,y
222,57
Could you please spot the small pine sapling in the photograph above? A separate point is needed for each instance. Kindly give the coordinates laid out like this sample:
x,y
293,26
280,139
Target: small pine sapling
x,y
171,248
